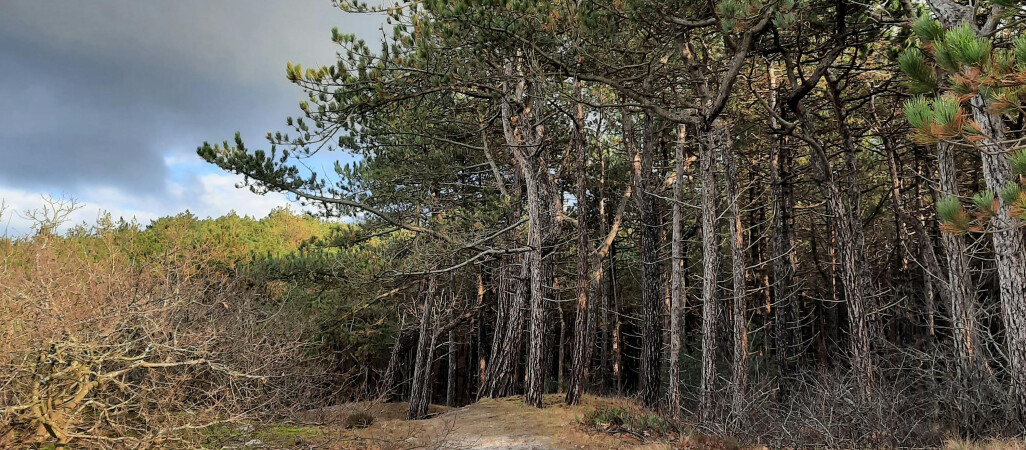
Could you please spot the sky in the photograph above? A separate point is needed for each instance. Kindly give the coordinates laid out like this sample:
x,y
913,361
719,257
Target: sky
x,y
106,100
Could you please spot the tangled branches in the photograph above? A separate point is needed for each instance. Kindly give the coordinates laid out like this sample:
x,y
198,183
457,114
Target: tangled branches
x,y
113,390
106,345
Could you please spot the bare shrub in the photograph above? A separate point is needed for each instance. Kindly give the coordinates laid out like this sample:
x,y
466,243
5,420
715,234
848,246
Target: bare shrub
x,y
917,402
103,348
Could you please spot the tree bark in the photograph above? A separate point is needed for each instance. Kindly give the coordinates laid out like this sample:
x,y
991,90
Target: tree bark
x,y
739,368
677,299
650,299
450,379
617,323
1007,236
585,317
712,139
524,134
420,392
500,375
785,262
961,290
851,258
1006,233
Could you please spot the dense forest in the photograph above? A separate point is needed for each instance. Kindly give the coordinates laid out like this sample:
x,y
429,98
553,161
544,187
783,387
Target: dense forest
x,y
792,222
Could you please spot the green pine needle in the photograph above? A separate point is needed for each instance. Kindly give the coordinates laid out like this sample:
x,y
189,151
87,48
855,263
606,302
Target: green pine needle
x,y
918,113
945,110
914,65
928,29
948,208
952,215
1011,193
1019,48
965,46
1018,162
984,201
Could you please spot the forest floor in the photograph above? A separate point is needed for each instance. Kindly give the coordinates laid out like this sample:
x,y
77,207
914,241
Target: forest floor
x,y
488,424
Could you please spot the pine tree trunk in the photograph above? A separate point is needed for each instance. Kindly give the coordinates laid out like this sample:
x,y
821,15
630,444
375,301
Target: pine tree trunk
x,y
961,290
785,316
419,393
650,297
536,343
1007,237
585,319
711,140
520,109
500,375
450,380
617,338
785,262
677,299
481,361
739,369
605,371
850,262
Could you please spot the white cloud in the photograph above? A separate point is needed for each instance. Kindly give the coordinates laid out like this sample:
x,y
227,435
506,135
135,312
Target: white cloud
x,y
216,194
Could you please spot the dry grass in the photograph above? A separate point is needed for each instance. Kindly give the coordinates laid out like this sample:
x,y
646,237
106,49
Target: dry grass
x,y
987,444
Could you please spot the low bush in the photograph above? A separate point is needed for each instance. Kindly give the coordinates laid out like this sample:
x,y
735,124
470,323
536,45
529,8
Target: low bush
x,y
629,419
358,419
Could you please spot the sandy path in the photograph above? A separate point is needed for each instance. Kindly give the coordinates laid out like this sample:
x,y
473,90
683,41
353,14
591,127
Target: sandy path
x,y
494,424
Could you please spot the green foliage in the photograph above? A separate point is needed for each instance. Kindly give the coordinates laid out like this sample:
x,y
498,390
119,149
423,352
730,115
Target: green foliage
x,y
919,113
948,208
1011,193
965,46
729,12
947,112
944,59
1017,160
928,29
984,202
921,75
1019,49
953,216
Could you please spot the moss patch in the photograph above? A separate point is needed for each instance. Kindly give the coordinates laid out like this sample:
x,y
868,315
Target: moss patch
x,y
287,434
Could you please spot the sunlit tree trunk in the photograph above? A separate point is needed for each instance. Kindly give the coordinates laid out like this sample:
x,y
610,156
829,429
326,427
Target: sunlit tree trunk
x,y
524,134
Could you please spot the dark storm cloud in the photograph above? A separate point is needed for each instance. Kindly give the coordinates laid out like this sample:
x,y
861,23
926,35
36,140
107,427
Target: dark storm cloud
x,y
98,93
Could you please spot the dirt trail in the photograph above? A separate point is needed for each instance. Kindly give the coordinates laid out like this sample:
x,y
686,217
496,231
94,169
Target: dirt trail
x,y
490,424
